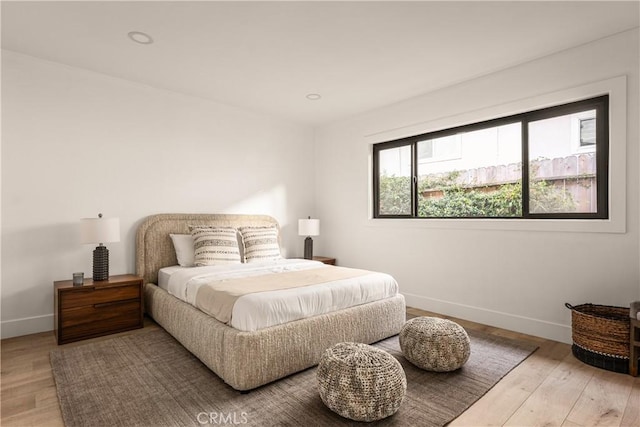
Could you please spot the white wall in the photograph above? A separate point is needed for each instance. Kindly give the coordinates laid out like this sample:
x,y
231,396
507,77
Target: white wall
x,y
508,277
75,143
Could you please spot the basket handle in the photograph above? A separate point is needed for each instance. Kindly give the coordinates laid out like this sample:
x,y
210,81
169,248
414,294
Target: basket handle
x,y
569,306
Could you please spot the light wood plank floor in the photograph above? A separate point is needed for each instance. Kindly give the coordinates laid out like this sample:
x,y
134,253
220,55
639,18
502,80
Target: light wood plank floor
x,y
550,388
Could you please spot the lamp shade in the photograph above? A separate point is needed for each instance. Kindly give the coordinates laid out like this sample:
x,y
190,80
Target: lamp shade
x,y
99,230
309,227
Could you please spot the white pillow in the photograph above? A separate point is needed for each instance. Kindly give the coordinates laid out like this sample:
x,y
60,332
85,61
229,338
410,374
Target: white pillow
x,y
185,252
260,243
215,245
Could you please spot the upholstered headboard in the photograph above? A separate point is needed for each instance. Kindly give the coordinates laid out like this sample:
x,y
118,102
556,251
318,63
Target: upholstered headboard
x,y
154,249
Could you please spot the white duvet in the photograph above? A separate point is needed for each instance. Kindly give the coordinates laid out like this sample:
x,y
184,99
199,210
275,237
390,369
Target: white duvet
x,y
264,309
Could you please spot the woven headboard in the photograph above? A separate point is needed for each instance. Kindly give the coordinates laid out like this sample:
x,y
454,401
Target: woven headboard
x,y
154,249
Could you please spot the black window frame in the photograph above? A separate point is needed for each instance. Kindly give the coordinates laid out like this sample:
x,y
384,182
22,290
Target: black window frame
x,y
600,104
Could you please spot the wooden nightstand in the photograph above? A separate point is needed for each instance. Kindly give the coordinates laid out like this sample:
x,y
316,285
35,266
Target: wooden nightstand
x,y
325,260
97,308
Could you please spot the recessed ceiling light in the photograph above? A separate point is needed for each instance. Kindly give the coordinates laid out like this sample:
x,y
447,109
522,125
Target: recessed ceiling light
x,y
140,37
313,97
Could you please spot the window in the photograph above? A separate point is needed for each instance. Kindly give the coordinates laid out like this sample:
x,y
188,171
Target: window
x,y
548,163
587,132
583,131
395,193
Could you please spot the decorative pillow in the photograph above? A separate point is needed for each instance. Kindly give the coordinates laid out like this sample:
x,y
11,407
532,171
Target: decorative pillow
x,y
260,243
183,244
215,245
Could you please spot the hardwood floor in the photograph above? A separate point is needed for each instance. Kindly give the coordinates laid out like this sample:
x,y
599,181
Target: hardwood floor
x,y
550,388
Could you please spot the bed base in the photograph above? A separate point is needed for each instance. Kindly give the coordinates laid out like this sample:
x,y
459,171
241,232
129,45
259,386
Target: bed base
x,y
246,360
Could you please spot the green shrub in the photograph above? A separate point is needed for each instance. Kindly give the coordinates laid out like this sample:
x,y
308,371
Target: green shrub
x,y
458,201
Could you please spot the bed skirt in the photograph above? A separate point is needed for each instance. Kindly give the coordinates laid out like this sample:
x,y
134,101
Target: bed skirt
x,y
246,360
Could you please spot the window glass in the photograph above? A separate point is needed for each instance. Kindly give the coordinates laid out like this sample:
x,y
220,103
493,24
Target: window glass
x,y
439,149
483,179
394,185
560,180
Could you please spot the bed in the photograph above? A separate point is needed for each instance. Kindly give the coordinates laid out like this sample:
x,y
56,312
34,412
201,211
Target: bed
x,y
248,359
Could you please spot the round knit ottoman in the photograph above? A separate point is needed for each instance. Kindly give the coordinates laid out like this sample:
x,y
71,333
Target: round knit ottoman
x,y
435,344
361,382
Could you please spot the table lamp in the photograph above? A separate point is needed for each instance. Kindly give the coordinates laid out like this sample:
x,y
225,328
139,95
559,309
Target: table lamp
x,y
100,230
308,227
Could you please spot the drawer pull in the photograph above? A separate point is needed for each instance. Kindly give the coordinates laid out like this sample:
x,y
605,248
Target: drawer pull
x,y
111,303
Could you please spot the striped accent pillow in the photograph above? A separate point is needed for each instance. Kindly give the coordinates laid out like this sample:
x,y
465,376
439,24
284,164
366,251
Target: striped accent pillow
x,y
215,245
260,243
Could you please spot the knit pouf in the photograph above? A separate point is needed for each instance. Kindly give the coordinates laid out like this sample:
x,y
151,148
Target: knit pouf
x,y
361,382
434,344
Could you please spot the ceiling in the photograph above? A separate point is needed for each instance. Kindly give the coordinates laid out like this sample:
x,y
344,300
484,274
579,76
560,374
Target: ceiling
x,y
267,56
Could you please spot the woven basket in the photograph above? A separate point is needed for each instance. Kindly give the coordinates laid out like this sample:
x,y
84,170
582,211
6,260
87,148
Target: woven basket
x,y
601,335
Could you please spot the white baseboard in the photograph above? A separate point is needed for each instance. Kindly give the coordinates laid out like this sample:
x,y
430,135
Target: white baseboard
x,y
525,325
26,326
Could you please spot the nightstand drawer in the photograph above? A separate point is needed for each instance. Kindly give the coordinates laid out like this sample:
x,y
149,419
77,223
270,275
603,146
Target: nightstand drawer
x,y
91,296
100,319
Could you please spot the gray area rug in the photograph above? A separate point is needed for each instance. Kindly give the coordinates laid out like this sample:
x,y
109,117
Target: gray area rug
x,y
149,379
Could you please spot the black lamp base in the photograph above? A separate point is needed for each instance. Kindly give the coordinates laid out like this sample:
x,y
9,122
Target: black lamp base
x,y
101,263
308,248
